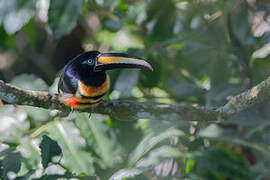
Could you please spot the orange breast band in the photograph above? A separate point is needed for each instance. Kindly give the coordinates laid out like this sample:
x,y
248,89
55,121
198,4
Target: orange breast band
x,y
89,91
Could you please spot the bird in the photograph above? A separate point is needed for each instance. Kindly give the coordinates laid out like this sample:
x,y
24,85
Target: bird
x,y
83,81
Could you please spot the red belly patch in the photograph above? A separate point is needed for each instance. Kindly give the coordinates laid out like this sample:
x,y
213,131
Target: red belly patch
x,y
72,102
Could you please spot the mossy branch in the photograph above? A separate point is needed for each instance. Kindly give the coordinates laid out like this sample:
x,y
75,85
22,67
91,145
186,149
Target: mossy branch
x,y
130,110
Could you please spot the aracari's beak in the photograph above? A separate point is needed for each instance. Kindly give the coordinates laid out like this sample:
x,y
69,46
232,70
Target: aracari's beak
x,y
108,61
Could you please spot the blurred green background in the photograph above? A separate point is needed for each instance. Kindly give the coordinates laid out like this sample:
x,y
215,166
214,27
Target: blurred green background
x,y
203,52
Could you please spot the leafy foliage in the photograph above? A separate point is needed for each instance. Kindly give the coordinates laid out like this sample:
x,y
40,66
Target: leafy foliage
x,y
62,16
11,164
203,52
49,148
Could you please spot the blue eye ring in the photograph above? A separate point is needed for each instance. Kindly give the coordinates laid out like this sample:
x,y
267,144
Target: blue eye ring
x,y
89,62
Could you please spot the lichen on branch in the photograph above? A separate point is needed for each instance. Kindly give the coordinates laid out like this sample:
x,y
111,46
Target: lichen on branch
x,y
131,110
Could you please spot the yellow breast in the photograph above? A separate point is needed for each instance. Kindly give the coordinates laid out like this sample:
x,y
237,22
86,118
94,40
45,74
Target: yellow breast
x,y
86,94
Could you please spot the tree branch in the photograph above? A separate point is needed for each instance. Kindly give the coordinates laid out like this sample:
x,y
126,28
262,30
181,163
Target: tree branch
x,y
129,110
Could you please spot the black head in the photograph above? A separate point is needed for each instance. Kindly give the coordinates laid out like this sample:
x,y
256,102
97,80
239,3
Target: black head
x,y
92,65
84,62
95,61
82,67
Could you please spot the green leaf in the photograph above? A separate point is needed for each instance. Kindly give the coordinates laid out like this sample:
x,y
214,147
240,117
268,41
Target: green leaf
x,y
49,148
37,114
150,141
7,151
189,165
63,16
126,173
263,52
94,131
63,176
30,153
30,82
122,5
13,123
15,13
157,155
126,80
26,176
75,157
176,46
11,164
212,130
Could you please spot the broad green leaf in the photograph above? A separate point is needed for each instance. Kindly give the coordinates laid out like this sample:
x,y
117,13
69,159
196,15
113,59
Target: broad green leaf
x,y
189,165
11,164
30,153
150,141
157,155
49,148
63,16
21,15
13,124
122,5
212,130
147,163
15,13
137,13
74,156
96,136
26,176
7,151
30,82
126,80
263,52
126,173
54,87
63,176
38,114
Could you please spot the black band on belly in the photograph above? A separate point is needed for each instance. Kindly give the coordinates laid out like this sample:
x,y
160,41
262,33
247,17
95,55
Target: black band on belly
x,y
92,97
89,104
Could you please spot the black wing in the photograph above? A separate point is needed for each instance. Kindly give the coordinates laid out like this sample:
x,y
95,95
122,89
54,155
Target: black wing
x,y
67,84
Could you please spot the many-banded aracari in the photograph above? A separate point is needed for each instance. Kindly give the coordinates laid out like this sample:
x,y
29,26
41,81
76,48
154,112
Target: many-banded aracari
x,y
83,81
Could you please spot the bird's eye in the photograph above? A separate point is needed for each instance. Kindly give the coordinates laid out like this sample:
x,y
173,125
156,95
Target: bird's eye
x,y
90,61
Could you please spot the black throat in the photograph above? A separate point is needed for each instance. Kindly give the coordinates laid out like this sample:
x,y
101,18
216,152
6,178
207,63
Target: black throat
x,y
86,74
93,79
